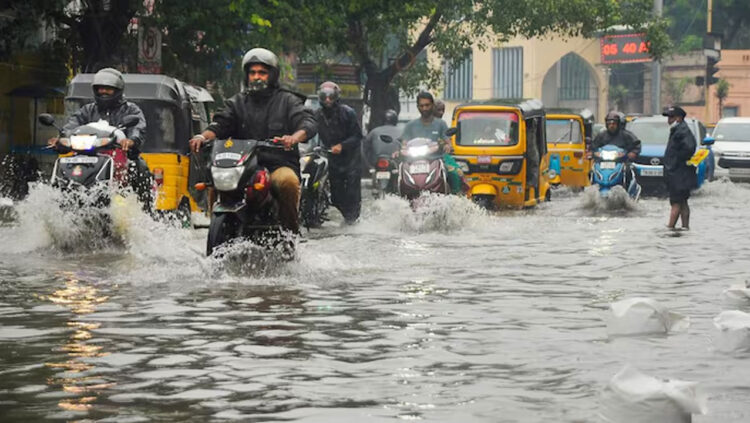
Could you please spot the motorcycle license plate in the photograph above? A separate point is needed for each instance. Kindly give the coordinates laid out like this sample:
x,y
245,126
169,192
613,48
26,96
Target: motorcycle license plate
x,y
383,175
652,172
78,160
419,168
607,165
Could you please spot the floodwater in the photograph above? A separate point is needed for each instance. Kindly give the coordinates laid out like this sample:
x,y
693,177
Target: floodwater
x,y
446,314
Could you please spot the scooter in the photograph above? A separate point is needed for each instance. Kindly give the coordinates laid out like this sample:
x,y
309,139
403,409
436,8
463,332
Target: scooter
x,y
96,163
421,169
611,169
315,186
244,206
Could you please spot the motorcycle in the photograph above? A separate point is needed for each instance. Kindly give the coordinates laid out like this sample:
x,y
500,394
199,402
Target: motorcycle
x,y
384,177
610,170
244,205
315,187
96,163
421,168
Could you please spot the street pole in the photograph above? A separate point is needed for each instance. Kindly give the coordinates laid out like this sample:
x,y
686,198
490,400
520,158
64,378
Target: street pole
x,y
707,86
656,70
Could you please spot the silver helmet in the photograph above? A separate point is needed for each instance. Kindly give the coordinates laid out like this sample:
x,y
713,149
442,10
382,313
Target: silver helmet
x,y
111,78
263,57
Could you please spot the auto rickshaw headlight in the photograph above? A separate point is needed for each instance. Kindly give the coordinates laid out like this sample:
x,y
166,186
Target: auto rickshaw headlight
x,y
509,167
227,178
464,166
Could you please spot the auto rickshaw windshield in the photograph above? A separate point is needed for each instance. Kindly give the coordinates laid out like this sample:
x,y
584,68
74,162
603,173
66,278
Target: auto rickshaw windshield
x,y
564,131
487,129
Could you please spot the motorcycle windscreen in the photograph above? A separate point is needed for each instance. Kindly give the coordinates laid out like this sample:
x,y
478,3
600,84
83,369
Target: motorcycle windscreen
x,y
84,170
231,152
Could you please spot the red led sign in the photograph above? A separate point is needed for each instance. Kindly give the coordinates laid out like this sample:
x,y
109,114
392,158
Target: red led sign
x,y
624,48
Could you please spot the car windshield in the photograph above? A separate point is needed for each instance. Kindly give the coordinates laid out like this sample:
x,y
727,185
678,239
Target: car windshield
x,y
564,131
487,129
736,132
650,132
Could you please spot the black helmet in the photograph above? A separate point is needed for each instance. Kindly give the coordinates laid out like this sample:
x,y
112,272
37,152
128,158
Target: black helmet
x,y
391,117
263,57
614,115
111,78
330,90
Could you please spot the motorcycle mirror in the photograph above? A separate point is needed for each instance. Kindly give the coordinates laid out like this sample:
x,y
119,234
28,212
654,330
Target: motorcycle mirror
x,y
451,131
129,121
386,138
46,119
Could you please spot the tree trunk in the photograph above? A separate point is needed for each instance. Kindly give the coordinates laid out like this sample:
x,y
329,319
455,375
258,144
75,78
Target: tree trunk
x,y
380,96
101,32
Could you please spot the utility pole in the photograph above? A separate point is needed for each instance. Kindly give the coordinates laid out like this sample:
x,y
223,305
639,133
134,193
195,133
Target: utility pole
x,y
707,87
656,69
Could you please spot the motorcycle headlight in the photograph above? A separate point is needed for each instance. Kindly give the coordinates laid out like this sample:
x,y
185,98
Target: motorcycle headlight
x,y
226,178
419,151
609,155
83,142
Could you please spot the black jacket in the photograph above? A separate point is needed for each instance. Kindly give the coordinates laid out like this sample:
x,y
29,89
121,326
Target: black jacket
x,y
680,148
90,113
339,125
622,138
261,117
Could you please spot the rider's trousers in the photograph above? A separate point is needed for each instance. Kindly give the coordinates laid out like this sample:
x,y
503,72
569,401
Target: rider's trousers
x,y
285,185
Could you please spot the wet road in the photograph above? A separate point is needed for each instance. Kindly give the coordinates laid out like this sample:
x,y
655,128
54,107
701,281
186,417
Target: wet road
x,y
444,315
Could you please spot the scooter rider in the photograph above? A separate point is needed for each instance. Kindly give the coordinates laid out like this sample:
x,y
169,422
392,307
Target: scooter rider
x,y
260,111
110,105
616,134
373,147
339,131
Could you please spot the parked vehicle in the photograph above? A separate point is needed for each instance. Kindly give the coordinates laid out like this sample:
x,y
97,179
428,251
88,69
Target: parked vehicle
x,y
245,207
732,148
653,131
611,169
569,135
421,169
501,146
174,111
315,187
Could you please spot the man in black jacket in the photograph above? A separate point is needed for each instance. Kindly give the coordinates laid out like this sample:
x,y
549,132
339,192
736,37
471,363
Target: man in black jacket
x,y
616,134
110,105
680,177
261,111
340,132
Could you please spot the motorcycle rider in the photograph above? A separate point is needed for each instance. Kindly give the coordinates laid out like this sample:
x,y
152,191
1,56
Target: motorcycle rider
x,y
431,127
340,132
264,110
616,134
110,105
373,147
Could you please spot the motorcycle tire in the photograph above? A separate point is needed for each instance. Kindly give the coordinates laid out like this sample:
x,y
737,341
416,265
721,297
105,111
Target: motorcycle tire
x,y
221,230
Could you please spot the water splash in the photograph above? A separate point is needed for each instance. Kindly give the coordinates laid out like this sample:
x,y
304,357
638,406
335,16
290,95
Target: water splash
x,y
617,200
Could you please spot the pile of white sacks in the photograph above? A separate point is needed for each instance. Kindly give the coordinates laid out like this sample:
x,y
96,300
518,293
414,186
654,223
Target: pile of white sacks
x,y
632,396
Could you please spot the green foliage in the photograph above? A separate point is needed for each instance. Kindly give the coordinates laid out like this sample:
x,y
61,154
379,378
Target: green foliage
x,y
722,89
675,88
687,23
618,95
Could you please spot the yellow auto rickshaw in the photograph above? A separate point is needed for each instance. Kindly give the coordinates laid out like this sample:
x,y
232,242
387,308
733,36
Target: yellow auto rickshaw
x,y
569,135
501,147
174,111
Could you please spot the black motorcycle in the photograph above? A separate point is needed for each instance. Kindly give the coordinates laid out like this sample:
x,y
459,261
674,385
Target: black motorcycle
x,y
316,188
384,176
244,206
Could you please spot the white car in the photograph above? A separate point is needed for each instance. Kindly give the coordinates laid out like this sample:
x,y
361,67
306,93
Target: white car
x,y
732,148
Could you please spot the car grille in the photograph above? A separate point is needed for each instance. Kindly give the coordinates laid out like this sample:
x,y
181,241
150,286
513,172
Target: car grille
x,y
733,162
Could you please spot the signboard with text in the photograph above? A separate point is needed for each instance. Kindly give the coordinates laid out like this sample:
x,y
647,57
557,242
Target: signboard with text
x,y
624,48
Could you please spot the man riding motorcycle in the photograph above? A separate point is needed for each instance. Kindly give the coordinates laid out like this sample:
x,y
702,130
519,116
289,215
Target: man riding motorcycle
x,y
110,105
263,110
374,147
616,134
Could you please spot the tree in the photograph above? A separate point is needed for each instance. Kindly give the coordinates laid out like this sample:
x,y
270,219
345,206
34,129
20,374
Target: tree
x,y
722,92
687,23
675,88
368,30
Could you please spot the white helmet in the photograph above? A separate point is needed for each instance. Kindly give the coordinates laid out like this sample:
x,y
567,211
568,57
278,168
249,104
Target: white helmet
x,y
263,57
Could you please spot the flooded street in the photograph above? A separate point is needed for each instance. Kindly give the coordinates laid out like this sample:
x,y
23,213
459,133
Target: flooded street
x,y
448,314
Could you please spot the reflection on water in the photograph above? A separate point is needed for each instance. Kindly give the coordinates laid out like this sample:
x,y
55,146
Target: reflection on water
x,y
445,313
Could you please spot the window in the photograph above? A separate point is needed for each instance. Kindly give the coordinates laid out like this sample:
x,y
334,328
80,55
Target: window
x,y
732,111
574,78
487,129
507,70
459,80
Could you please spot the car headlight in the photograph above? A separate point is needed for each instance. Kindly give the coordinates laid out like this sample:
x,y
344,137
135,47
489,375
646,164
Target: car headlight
x,y
227,178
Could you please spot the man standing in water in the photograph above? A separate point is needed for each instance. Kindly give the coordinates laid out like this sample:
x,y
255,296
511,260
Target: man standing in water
x,y
339,131
680,177
430,126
